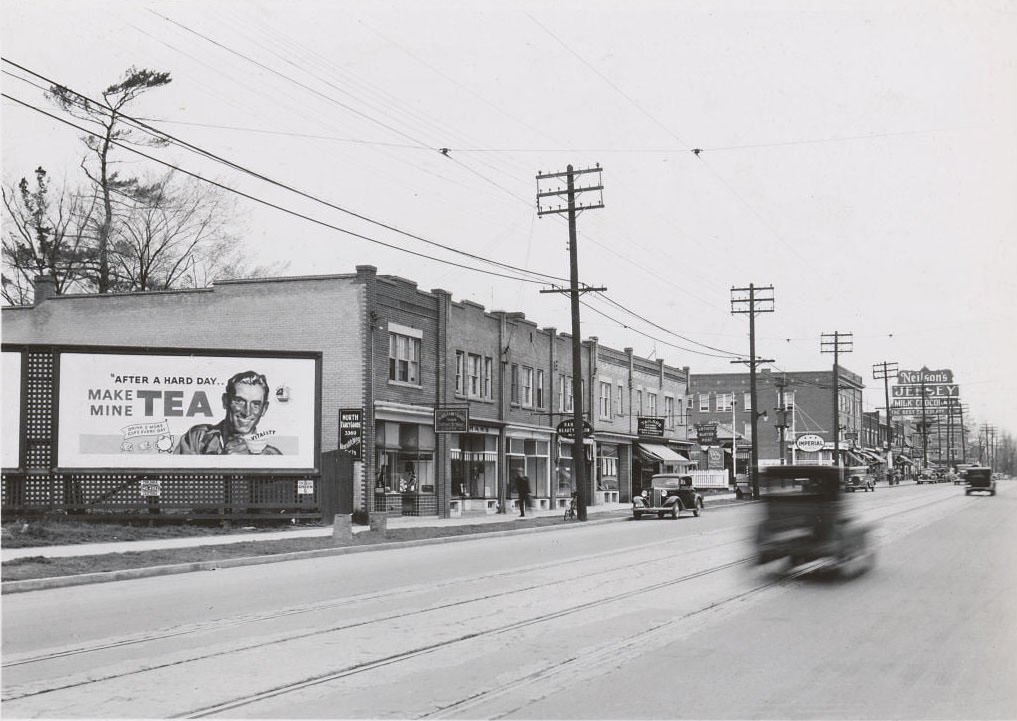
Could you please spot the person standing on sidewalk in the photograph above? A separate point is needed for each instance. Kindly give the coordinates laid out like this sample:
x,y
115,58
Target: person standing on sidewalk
x,y
523,491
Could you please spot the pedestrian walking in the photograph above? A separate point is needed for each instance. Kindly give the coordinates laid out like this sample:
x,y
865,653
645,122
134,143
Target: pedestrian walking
x,y
523,491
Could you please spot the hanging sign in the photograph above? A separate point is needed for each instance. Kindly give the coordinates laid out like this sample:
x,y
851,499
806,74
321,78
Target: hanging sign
x,y
810,443
706,434
452,419
650,426
567,429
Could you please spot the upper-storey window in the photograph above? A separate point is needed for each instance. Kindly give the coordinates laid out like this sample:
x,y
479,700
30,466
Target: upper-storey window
x,y
403,358
704,402
725,401
605,400
527,387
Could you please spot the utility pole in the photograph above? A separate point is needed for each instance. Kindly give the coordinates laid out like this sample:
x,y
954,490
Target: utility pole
x,y
885,371
925,430
836,343
574,290
781,415
758,300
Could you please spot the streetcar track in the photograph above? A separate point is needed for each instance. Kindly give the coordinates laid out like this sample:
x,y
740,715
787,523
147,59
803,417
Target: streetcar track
x,y
430,648
367,666
387,594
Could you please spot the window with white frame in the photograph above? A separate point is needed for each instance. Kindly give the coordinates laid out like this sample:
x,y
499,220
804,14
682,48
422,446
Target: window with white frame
x,y
621,400
460,373
789,400
568,395
561,392
747,401
487,374
651,404
725,401
639,403
474,363
403,358
669,412
605,400
515,382
704,402
538,388
527,381
608,466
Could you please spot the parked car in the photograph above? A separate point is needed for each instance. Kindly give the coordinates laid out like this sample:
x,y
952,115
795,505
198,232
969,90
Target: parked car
x,y
806,518
668,494
980,480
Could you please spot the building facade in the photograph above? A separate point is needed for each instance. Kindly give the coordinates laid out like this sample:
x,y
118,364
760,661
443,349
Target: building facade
x,y
368,367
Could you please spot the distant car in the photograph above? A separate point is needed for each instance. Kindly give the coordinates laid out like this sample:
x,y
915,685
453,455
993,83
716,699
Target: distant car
x,y
980,480
668,495
857,482
925,477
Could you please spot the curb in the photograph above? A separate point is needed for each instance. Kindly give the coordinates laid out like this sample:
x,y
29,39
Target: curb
x,y
41,584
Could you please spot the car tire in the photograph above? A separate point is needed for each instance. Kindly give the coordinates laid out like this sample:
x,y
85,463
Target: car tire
x,y
698,508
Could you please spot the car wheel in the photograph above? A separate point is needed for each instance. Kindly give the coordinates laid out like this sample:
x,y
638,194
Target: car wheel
x,y
675,510
698,508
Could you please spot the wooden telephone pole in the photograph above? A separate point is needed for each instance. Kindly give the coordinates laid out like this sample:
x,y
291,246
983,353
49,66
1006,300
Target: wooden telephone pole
x,y
569,193
758,300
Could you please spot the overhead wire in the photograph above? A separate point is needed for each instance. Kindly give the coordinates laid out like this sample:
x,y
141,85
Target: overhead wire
x,y
270,204
186,145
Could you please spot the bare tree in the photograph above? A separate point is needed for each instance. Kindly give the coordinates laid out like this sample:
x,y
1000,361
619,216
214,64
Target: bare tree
x,y
112,130
46,235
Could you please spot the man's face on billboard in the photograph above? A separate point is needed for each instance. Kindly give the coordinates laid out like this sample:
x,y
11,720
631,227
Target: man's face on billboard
x,y
245,407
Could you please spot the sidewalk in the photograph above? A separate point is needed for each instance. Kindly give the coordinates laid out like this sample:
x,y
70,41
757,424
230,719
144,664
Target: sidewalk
x,y
497,521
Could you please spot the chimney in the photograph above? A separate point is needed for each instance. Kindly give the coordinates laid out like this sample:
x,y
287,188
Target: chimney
x,y
45,288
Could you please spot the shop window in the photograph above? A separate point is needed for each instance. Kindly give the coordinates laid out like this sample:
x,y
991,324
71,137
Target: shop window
x,y
475,466
405,458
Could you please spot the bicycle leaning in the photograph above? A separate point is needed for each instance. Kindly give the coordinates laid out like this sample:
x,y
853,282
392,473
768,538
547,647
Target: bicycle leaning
x,y
570,510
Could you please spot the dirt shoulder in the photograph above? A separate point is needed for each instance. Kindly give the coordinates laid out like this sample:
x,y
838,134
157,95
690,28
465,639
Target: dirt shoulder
x,y
38,567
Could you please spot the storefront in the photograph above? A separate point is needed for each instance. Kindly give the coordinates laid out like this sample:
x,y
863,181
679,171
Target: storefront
x,y
564,476
404,458
528,453
474,457
653,458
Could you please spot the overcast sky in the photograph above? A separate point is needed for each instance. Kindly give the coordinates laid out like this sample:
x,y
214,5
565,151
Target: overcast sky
x,y
860,157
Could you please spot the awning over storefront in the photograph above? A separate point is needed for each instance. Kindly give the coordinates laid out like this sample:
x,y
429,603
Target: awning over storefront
x,y
902,459
856,460
872,457
654,452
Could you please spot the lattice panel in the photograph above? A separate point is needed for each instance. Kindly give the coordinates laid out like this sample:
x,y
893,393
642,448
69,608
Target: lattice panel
x,y
39,410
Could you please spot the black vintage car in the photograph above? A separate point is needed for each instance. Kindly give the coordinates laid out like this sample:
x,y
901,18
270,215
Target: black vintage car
x,y
980,480
806,517
668,495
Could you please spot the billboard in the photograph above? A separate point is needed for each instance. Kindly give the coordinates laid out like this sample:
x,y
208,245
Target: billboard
x,y
10,422
208,412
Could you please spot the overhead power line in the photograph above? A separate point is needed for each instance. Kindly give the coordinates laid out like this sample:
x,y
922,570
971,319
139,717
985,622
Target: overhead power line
x,y
225,161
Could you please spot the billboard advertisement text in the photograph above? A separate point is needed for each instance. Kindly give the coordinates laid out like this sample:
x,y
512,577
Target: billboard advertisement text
x,y
119,410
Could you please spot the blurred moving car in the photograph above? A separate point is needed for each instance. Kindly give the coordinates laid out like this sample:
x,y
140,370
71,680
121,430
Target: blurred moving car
x,y
980,480
668,494
806,517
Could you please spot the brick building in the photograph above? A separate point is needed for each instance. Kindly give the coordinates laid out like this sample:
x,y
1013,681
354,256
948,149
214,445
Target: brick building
x,y
377,347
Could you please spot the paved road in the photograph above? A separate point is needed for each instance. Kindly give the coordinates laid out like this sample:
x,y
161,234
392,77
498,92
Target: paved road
x,y
656,618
